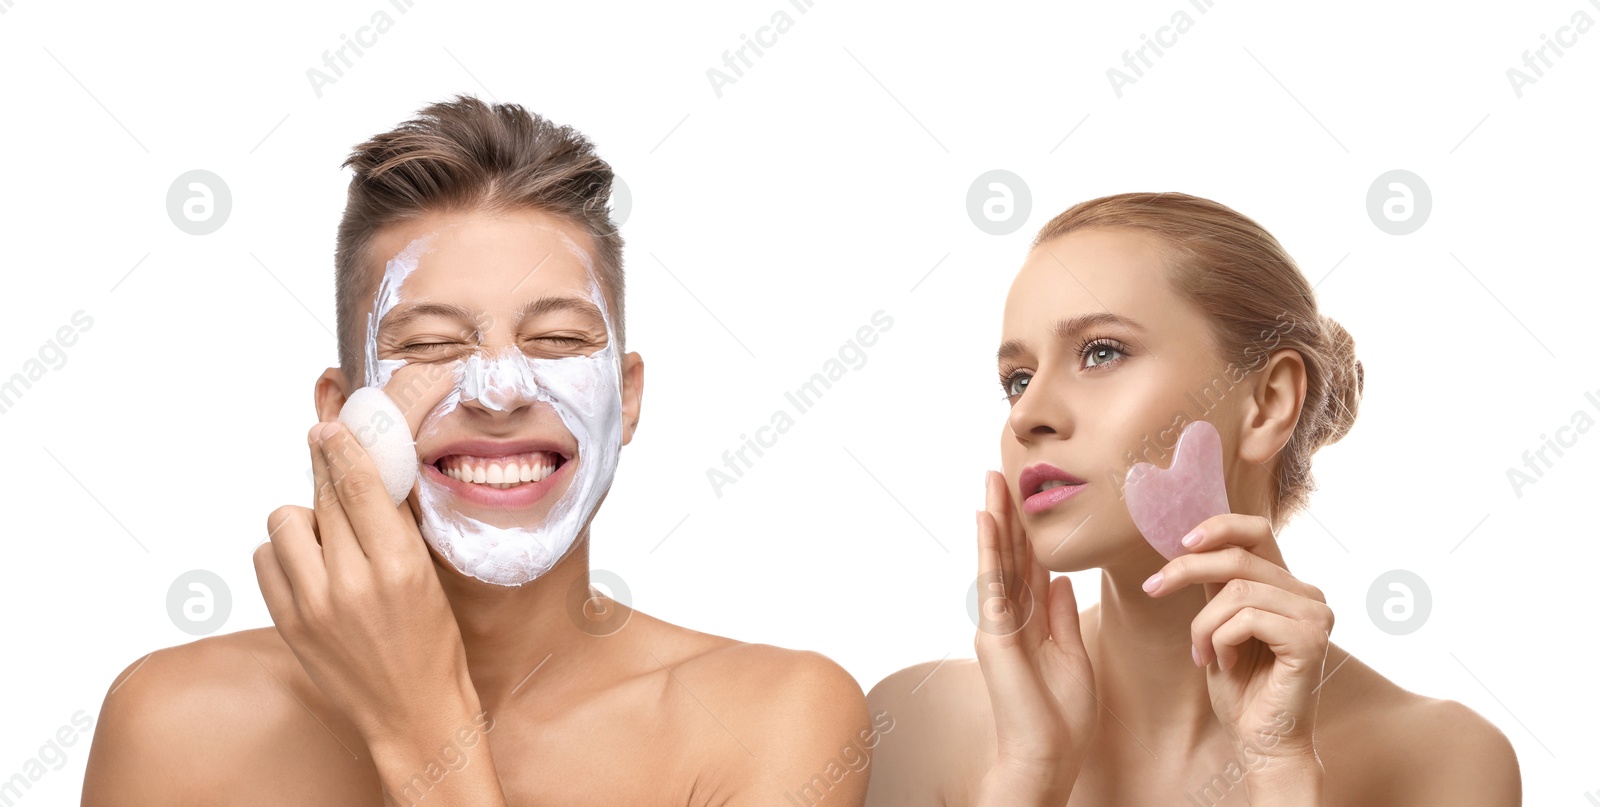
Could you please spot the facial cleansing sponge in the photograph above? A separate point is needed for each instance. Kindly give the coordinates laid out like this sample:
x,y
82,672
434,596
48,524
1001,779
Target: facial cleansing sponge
x,y
381,428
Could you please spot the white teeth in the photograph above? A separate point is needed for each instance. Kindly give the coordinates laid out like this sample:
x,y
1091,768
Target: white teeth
x,y
500,472
1054,483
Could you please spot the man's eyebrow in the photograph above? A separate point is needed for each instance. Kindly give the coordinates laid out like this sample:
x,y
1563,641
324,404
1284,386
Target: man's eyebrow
x,y
1066,330
547,305
420,310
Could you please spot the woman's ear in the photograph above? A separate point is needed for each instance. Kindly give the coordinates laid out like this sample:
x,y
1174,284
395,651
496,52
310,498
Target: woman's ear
x,y
1273,408
632,394
329,394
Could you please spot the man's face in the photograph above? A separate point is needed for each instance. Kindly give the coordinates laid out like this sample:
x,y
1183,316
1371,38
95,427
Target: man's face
x,y
491,335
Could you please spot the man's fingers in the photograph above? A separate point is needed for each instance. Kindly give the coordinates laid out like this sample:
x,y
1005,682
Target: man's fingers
x,y
334,529
292,533
275,587
364,504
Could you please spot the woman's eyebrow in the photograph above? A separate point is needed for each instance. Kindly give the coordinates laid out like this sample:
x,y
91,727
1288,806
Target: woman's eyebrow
x,y
1066,330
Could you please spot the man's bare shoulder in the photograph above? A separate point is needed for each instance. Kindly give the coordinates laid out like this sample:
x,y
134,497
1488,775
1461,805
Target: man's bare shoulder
x,y
179,723
943,737
1410,749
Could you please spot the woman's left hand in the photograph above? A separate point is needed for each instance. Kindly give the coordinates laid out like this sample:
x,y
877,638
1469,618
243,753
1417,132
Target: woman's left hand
x,y
1266,631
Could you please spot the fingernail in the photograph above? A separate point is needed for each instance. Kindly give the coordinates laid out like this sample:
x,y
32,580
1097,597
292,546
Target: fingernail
x,y
1153,583
1192,538
328,430
1195,653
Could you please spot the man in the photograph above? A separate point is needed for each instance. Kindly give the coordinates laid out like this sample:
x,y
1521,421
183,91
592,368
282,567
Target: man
x,y
450,650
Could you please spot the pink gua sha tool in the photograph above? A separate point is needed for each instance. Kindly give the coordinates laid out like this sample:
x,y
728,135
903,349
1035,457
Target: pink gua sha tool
x,y
1167,503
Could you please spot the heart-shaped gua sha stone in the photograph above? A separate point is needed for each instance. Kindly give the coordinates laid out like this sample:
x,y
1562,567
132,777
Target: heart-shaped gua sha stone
x,y
1167,503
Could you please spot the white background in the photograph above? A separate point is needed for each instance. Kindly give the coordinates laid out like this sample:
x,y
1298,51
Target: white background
x,y
767,225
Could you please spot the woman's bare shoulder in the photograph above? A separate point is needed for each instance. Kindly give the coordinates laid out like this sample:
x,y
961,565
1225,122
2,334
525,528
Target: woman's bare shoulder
x,y
942,739
1408,748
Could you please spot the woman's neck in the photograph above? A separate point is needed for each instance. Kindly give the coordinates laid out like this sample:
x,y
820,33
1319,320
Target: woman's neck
x,y
1146,679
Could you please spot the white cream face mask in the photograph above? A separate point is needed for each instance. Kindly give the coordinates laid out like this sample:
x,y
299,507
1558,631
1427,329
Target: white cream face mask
x,y
485,538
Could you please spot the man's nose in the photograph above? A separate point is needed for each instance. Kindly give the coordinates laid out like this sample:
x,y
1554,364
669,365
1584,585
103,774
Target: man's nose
x,y
502,381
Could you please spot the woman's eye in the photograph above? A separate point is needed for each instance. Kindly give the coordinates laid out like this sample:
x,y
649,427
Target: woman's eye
x,y
1015,385
426,346
1098,354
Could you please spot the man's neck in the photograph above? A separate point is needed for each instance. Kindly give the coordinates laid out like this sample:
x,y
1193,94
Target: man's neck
x,y
524,637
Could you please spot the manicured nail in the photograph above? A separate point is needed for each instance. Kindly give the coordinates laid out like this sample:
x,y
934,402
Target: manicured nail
x,y
328,430
1192,538
1153,583
1195,653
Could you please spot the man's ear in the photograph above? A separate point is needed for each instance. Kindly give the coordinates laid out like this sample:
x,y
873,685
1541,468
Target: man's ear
x,y
1273,408
632,394
329,394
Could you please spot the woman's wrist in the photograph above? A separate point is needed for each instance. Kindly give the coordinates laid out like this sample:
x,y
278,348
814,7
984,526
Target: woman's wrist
x,y
1287,780
1016,785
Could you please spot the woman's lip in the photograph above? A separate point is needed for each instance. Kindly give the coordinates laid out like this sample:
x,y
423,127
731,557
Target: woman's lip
x,y
520,497
1046,499
1039,473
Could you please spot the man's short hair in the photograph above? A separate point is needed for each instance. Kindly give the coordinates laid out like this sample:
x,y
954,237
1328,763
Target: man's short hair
x,y
464,155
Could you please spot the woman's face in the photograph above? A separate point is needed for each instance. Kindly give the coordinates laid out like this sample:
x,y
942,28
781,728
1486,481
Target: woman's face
x,y
1103,364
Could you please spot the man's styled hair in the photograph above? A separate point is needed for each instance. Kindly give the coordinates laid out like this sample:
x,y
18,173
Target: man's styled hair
x,y
464,155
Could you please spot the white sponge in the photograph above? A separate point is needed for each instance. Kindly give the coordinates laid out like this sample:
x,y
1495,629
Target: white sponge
x,y
381,428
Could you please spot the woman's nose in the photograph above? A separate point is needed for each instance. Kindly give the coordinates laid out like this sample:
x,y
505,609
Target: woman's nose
x,y
1040,411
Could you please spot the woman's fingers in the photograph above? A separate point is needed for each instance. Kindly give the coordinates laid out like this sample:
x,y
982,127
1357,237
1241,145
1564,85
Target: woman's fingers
x,y
997,614
1064,627
1240,595
1252,533
1298,643
1225,564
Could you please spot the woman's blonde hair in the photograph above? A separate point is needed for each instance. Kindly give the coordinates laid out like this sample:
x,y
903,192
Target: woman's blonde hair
x,y
1246,284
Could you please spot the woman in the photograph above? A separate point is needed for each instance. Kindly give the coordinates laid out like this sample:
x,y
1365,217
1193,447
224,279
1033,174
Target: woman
x,y
1208,679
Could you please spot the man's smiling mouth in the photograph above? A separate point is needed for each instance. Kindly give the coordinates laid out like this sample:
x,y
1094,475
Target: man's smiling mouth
x,y
501,472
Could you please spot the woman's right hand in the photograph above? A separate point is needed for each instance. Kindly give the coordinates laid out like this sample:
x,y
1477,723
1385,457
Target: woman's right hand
x,y
1040,682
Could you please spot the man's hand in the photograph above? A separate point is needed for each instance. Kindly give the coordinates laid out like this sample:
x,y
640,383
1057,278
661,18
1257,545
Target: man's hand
x,y
353,591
